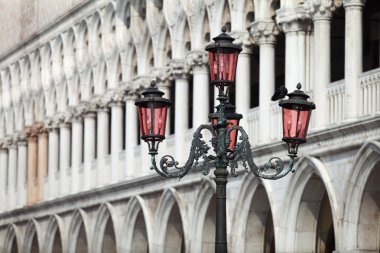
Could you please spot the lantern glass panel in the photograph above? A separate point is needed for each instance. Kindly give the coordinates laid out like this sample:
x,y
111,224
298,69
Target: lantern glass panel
x,y
153,121
223,64
296,123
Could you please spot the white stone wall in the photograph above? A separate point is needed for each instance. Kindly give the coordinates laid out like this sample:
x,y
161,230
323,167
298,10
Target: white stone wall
x,y
68,85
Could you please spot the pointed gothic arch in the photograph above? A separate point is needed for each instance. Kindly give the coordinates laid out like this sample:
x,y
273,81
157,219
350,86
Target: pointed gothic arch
x,y
360,200
104,236
137,219
78,233
12,240
31,239
54,233
169,223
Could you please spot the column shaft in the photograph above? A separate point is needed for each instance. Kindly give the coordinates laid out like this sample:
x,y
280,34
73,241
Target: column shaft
x,y
32,170
243,82
64,157
291,61
200,96
321,68
117,128
102,133
353,64
89,147
267,84
77,153
53,162
130,135
42,164
22,167
3,177
12,167
181,117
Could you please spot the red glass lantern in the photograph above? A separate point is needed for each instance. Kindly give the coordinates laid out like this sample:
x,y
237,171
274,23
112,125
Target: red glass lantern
x,y
233,119
152,110
296,112
223,56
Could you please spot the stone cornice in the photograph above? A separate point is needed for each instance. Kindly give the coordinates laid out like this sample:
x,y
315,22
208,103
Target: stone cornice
x,y
293,19
264,32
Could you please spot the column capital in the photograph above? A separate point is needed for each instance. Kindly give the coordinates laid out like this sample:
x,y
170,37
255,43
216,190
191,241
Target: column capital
x,y
161,75
116,97
64,119
101,102
178,69
131,95
321,9
264,32
52,123
40,128
293,19
20,139
141,82
242,38
196,59
353,3
31,133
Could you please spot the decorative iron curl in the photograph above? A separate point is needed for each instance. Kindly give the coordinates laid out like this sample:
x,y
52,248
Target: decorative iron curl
x,y
199,149
242,153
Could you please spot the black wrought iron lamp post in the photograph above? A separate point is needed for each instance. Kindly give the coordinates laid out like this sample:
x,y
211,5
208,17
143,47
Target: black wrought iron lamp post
x,y
229,140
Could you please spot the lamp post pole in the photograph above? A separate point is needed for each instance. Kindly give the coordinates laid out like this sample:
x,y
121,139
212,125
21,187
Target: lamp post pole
x,y
228,149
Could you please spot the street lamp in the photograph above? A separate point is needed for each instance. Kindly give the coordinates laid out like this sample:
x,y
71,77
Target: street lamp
x,y
224,128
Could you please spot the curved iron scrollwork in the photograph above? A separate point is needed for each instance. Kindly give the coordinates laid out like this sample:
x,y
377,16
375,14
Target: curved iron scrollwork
x,y
273,169
199,149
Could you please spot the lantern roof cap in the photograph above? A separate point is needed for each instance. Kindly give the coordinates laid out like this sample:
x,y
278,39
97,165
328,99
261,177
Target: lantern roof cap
x,y
152,94
297,97
223,40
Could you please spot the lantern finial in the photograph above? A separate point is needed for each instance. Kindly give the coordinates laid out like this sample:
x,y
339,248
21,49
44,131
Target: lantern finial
x,y
153,84
224,29
299,86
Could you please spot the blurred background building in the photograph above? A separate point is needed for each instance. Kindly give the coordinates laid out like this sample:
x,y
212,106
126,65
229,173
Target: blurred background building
x,y
74,176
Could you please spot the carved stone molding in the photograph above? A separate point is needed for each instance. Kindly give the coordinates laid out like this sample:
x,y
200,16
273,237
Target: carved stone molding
x,y
40,127
161,76
242,38
52,123
178,69
141,82
293,19
116,97
65,119
321,9
264,32
196,59
131,95
101,102
31,133
353,3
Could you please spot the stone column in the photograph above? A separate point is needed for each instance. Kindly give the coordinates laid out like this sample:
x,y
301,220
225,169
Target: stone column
x,y
53,157
102,147
198,62
322,77
243,75
12,168
116,98
22,165
177,69
42,162
3,175
64,154
32,134
295,23
131,133
353,57
264,33
76,150
90,143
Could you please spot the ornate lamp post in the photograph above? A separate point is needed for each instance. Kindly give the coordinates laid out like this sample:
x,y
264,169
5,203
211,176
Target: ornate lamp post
x,y
224,128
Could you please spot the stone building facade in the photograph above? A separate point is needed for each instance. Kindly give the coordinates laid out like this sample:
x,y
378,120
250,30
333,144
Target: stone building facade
x,y
74,176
